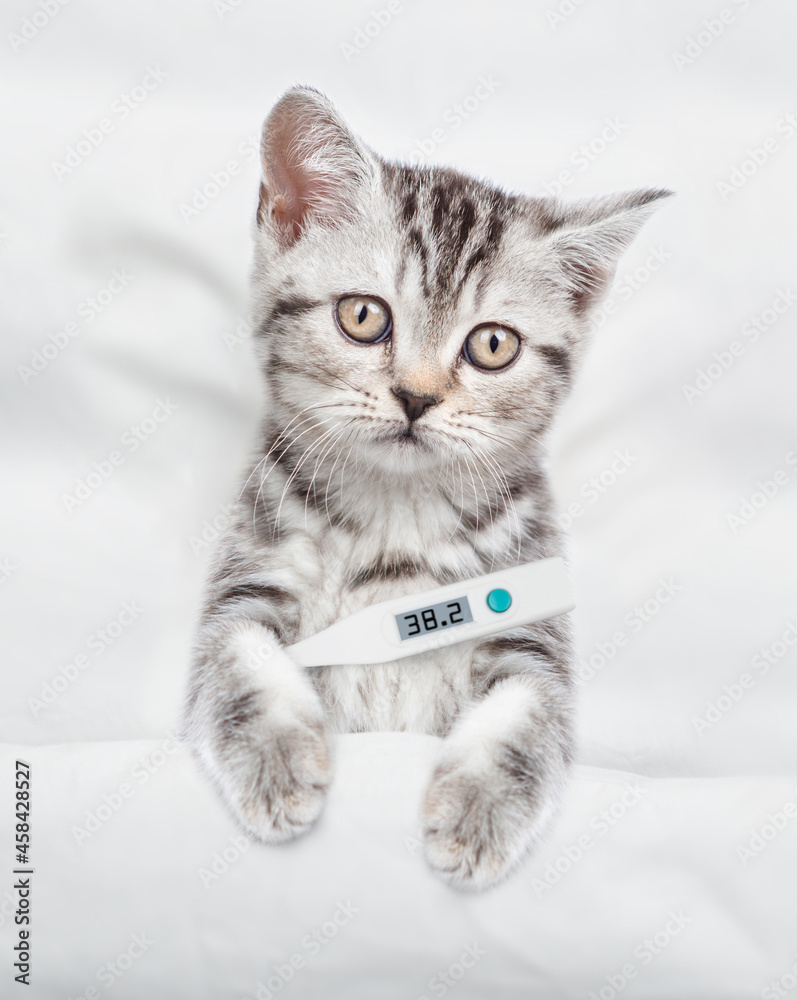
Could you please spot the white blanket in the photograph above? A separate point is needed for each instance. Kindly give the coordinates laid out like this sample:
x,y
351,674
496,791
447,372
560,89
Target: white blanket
x,y
129,186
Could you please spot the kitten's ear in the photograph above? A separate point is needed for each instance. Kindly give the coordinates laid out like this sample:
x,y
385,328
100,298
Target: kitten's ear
x,y
588,237
313,167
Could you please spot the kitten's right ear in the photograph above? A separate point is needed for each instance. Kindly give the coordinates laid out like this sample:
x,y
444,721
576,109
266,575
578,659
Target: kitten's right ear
x,y
314,169
587,238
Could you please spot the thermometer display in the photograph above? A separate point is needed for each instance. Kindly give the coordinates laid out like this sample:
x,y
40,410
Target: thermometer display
x,y
422,621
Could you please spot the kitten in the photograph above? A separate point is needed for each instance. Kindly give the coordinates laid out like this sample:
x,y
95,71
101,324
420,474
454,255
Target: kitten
x,y
416,330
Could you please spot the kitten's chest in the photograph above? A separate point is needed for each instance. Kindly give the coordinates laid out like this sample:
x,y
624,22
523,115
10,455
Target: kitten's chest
x,y
421,693
396,539
398,557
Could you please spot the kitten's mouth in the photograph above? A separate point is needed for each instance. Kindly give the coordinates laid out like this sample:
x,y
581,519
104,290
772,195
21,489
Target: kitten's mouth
x,y
406,438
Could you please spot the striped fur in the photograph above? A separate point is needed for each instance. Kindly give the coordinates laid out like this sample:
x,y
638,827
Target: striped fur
x,y
346,504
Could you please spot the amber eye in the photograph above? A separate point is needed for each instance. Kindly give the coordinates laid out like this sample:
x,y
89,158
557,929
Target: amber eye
x,y
364,318
491,346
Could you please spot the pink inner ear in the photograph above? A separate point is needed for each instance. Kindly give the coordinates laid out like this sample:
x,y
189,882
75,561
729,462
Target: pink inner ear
x,y
309,160
299,193
288,208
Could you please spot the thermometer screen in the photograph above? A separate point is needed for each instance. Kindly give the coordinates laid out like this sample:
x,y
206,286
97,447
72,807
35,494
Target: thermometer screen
x,y
433,618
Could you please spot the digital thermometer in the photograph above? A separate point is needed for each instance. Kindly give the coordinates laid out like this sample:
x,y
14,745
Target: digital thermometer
x,y
404,626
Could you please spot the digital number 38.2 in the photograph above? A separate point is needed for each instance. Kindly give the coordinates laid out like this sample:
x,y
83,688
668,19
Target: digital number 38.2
x,y
428,619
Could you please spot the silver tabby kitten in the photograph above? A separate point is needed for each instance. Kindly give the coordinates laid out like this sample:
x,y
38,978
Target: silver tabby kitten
x,y
416,330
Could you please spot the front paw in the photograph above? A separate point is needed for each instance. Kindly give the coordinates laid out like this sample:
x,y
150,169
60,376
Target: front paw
x,y
479,823
275,776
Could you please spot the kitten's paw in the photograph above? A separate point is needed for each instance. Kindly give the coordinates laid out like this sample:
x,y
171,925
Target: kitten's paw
x,y
476,825
276,780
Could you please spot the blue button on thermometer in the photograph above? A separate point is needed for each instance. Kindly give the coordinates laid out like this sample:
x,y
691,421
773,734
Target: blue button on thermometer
x,y
499,599
416,623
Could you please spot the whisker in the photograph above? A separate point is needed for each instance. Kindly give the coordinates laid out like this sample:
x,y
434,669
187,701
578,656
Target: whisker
x,y
503,484
274,464
475,491
320,459
489,502
330,477
457,466
263,459
302,459
342,473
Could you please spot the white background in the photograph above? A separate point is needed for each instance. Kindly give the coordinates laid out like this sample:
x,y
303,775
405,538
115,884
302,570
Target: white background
x,y
690,115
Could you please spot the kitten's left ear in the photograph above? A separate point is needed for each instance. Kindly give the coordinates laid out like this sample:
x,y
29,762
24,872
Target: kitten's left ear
x,y
588,237
313,167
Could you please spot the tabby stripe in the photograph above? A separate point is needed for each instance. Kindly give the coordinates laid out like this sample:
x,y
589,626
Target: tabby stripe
x,y
558,357
238,712
495,229
419,247
276,596
388,571
295,305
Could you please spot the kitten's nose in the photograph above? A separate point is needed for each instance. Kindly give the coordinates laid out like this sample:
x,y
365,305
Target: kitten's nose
x,y
413,405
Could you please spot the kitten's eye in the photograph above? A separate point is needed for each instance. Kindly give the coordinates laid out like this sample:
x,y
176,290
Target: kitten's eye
x,y
364,318
491,346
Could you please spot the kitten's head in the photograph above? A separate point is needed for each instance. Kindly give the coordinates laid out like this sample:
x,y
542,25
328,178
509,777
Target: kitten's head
x,y
414,317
